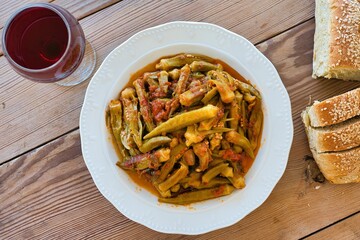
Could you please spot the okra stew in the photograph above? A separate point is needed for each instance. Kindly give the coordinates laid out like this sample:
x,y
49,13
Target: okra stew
x,y
187,125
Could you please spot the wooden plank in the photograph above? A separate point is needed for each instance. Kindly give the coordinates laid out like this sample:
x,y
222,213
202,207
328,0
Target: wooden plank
x,y
7,8
79,8
347,229
48,193
63,189
83,8
32,113
10,6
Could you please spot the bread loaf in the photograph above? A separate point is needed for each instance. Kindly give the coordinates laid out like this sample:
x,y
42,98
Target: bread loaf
x,y
337,39
333,130
336,109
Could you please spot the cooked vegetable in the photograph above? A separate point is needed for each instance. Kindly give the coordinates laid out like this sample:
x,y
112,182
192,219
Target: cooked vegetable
x,y
175,155
203,66
115,111
255,121
237,139
144,104
147,160
202,151
226,94
213,172
192,95
188,127
174,178
177,61
234,115
189,157
163,81
133,125
174,74
183,120
247,88
209,95
200,195
154,142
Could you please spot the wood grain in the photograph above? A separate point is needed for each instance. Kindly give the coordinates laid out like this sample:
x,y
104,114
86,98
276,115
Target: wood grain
x,y
345,230
7,8
10,6
32,114
83,8
49,193
79,8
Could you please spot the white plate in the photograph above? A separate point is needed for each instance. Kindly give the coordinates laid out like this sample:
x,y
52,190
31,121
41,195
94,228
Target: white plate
x,y
145,47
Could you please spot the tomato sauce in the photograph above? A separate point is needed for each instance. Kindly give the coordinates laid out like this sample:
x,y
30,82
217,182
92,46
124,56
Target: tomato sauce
x,y
142,181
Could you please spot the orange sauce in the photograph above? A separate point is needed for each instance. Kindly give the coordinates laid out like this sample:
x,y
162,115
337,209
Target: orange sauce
x,y
138,179
142,182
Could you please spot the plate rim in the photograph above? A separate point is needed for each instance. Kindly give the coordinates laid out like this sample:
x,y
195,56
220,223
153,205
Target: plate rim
x,y
287,112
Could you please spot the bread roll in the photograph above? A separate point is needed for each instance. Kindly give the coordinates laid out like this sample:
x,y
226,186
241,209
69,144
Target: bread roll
x,y
335,110
337,39
339,167
335,145
339,137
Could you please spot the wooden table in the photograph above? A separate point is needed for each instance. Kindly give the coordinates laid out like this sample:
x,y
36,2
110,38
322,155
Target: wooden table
x,y
47,192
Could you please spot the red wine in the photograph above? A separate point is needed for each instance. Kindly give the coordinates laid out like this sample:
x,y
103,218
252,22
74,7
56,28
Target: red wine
x,y
43,42
37,38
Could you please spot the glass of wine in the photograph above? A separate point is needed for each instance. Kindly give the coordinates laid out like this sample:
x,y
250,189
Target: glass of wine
x,y
45,43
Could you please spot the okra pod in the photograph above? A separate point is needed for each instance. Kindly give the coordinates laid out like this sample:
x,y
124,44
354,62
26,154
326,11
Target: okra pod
x,y
203,66
115,110
145,109
189,157
192,95
183,120
174,74
175,155
237,139
234,114
146,160
227,172
226,94
174,178
131,117
208,124
238,180
163,81
202,151
244,87
213,172
180,88
249,98
215,182
177,61
209,95
255,120
199,195
154,142
192,135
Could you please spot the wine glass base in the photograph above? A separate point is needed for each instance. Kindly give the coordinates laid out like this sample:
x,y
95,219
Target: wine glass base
x,y
84,70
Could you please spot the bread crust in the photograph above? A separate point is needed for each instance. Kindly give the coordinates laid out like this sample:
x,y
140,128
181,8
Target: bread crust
x,y
336,109
336,147
339,167
338,54
341,137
